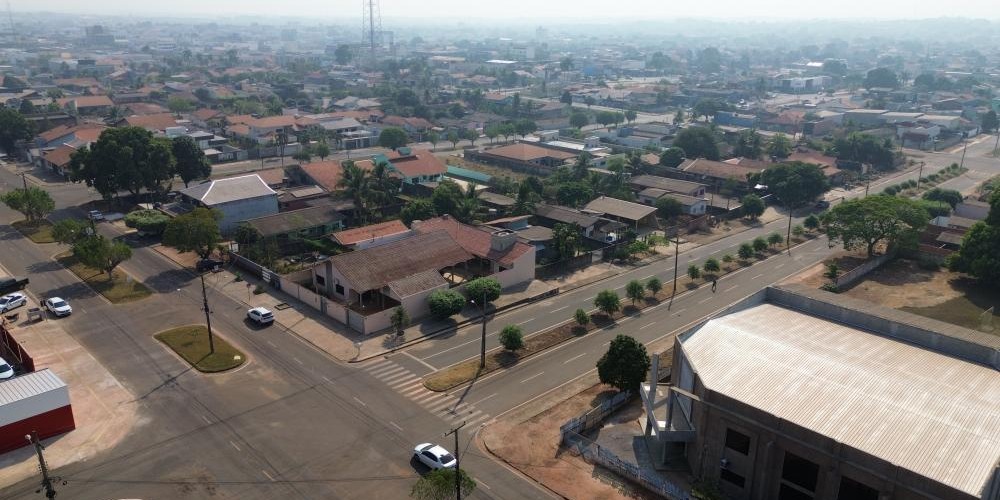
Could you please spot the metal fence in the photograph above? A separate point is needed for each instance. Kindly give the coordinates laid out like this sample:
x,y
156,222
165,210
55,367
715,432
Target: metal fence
x,y
595,453
15,353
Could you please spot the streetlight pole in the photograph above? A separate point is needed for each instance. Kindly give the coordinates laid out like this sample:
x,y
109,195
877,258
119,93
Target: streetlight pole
x,y
482,347
208,315
458,471
50,491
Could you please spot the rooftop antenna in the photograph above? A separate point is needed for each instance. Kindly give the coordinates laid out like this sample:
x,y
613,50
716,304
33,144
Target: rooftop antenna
x,y
371,27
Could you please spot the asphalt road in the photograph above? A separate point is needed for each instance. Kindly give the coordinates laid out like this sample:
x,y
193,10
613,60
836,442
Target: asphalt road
x,y
291,423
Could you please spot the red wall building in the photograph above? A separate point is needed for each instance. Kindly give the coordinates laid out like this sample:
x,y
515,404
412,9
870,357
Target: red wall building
x,y
38,402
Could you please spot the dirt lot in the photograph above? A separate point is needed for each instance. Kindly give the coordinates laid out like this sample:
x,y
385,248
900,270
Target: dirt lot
x,y
901,283
532,447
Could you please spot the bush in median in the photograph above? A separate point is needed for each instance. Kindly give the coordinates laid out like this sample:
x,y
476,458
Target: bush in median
x,y
445,303
150,221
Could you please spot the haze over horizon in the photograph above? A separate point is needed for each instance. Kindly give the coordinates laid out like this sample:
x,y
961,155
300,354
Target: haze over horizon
x,y
530,11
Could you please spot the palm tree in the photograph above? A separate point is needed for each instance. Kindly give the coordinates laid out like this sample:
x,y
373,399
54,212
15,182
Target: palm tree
x,y
357,185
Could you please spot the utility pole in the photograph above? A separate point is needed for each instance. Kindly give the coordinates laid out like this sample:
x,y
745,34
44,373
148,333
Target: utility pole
x,y
24,182
47,482
965,145
482,347
788,234
208,315
458,471
677,258
920,173
996,145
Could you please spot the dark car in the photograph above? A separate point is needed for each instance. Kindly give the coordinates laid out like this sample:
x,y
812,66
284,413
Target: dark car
x,y
10,284
208,265
822,204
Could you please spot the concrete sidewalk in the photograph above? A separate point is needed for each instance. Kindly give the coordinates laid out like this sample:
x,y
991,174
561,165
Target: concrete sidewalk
x,y
104,411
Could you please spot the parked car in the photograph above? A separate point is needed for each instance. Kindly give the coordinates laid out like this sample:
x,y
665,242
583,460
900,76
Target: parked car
x,y
10,284
12,301
261,316
6,371
822,204
208,265
95,215
58,306
434,456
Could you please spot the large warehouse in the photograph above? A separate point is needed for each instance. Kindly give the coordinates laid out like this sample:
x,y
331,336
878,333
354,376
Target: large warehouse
x,y
801,394
33,402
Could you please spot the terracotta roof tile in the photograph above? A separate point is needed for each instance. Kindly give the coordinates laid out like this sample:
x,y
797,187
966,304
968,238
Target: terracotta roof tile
x,y
359,234
476,241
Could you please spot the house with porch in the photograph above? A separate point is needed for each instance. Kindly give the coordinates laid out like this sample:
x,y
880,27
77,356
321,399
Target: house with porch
x,y
633,214
237,198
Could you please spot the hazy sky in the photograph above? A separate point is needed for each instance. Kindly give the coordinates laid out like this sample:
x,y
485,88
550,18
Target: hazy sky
x,y
534,11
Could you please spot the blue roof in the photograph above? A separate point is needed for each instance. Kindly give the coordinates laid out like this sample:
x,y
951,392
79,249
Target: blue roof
x,y
469,174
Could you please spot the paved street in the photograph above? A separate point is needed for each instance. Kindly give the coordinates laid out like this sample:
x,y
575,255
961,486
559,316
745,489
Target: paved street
x,y
292,422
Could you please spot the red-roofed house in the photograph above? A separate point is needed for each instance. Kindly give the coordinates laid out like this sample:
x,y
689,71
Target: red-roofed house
x,y
325,174
154,123
511,260
86,104
414,126
416,166
58,159
359,238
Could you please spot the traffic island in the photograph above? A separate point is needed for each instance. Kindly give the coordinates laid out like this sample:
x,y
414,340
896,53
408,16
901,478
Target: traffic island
x,y
191,343
118,288
38,231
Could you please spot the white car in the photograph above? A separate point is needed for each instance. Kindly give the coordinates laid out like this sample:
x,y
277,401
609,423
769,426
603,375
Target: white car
x,y
12,301
6,371
95,215
58,306
434,456
260,315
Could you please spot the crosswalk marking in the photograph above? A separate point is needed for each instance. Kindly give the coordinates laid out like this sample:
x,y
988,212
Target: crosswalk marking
x,y
411,386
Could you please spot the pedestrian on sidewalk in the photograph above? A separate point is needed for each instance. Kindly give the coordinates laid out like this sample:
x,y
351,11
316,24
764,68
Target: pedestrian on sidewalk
x,y
715,283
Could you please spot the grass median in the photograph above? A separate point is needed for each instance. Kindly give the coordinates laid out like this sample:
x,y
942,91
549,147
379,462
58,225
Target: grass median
x,y
467,371
191,343
38,231
118,288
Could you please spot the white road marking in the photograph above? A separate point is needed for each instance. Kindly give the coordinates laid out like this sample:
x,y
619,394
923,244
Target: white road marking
x,y
384,374
235,446
396,377
297,360
360,401
480,419
758,276
560,309
377,365
271,344
525,321
468,416
702,301
272,479
426,398
650,276
207,421
394,425
574,358
734,287
779,266
484,399
480,481
536,376
418,360
679,311
327,379
647,326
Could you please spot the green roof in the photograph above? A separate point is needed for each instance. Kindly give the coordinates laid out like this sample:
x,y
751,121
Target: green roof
x,y
471,175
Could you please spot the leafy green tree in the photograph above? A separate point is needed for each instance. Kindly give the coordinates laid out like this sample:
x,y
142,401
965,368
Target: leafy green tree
x,y
881,77
511,338
150,221
565,241
445,303
654,285
798,231
357,185
447,197
694,272
69,231
302,156
679,117
13,127
697,142
525,127
581,317
34,202
190,160
795,183
101,253
780,146
322,150
26,108
179,105
566,98
439,484
990,121
578,119
775,238
978,255
483,288
669,208
128,158
727,258
630,115
711,266
343,54
672,157
607,301
453,138
753,206
745,251
748,144
574,194
866,222
949,196
393,138
707,108
812,222
635,290
399,320
832,271
625,364
417,209
605,118
759,244
434,138
196,231
935,208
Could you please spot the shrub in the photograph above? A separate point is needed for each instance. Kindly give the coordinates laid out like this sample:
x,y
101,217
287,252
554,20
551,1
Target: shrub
x,y
775,239
812,222
759,244
929,264
727,258
711,266
511,338
259,289
150,221
745,251
654,285
798,230
480,288
891,190
694,272
830,287
444,303
581,317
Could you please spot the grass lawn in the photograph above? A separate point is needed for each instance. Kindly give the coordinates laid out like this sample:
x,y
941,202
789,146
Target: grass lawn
x,y
966,310
39,231
191,343
117,290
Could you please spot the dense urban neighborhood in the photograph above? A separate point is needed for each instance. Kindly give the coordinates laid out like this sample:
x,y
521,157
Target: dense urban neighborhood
x,y
252,256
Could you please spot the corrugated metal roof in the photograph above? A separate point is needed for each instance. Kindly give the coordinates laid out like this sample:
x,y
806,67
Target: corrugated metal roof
x,y
930,413
28,385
